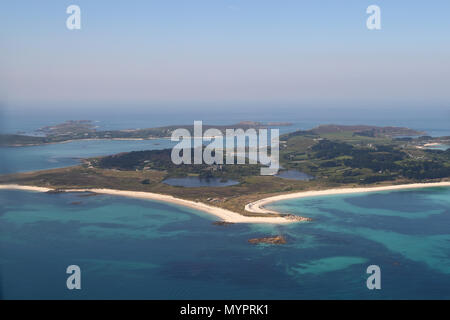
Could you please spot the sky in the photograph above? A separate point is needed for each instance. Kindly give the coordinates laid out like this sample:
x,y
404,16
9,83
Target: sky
x,y
316,52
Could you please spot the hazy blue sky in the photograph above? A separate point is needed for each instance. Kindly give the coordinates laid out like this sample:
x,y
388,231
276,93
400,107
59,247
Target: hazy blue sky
x,y
225,51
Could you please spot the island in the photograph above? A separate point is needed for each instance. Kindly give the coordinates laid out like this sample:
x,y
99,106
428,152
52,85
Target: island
x,y
339,159
86,130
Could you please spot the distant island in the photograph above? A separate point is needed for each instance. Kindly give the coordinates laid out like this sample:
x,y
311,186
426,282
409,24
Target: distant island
x,y
336,156
86,130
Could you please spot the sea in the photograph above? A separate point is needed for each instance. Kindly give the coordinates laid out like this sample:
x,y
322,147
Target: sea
x,y
141,249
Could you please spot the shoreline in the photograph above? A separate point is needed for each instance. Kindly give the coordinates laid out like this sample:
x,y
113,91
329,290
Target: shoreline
x,y
224,214
258,206
86,139
253,207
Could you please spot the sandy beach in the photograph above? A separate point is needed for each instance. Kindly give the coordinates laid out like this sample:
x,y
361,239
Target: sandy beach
x,y
23,188
258,206
230,216
223,214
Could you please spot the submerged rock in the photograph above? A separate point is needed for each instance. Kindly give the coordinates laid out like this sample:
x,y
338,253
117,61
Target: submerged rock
x,y
222,223
55,191
296,218
269,240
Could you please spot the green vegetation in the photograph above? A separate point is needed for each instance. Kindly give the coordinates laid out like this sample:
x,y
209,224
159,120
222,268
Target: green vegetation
x,y
161,160
339,154
20,140
336,156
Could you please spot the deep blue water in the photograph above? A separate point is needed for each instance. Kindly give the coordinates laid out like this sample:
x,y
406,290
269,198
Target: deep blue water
x,y
434,120
130,248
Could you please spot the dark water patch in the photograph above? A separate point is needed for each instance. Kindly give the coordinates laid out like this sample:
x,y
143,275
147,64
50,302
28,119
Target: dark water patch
x,y
193,182
294,175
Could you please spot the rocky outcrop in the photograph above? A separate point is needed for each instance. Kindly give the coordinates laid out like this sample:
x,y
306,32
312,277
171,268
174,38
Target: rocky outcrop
x,y
222,223
268,240
296,218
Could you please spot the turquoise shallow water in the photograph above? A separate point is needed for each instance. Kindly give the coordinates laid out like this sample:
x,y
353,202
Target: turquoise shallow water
x,y
58,155
439,147
129,248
